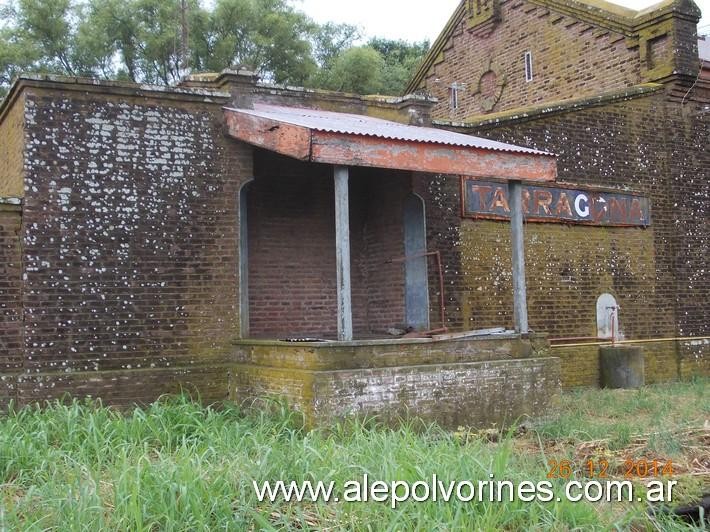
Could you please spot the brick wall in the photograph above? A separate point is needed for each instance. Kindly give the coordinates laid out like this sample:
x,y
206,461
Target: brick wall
x,y
291,225
687,130
443,220
11,150
10,300
568,267
130,240
658,148
570,59
470,382
292,273
664,361
381,204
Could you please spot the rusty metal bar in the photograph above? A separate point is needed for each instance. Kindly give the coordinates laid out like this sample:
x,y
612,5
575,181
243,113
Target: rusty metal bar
x,y
646,341
437,255
575,338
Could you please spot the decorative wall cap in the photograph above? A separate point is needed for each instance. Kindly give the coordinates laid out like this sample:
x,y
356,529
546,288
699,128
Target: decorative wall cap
x,y
563,106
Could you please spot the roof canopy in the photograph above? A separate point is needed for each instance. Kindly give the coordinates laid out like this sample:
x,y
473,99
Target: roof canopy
x,y
359,140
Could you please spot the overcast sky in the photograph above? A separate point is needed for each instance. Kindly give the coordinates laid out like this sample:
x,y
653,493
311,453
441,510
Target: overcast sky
x,y
414,20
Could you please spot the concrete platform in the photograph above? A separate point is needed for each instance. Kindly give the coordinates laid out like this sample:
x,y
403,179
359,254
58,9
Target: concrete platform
x,y
465,381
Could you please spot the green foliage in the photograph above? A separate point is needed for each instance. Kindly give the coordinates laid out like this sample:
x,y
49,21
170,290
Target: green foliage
x,y
358,69
401,60
141,41
179,466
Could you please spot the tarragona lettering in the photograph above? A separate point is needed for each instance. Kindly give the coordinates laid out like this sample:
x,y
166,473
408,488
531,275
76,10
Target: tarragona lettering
x,y
548,203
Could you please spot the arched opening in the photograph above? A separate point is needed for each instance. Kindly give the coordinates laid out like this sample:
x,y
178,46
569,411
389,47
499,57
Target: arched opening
x,y
416,276
607,317
244,259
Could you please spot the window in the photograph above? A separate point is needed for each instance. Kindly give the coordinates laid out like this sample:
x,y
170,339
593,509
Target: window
x,y
528,66
454,96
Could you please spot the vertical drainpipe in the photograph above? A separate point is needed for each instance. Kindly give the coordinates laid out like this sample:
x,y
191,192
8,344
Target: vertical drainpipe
x,y
520,305
342,253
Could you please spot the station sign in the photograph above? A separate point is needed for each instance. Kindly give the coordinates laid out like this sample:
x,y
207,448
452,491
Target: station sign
x,y
555,203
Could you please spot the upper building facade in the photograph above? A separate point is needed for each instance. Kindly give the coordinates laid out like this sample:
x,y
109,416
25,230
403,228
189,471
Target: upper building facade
x,y
622,97
496,55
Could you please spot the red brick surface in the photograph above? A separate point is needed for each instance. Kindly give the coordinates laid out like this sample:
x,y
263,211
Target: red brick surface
x,y
292,271
570,59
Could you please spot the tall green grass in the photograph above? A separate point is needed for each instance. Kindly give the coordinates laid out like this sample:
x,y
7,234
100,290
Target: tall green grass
x,y
177,465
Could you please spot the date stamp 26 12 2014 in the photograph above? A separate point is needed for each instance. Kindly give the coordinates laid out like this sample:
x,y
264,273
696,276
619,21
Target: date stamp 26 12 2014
x,y
641,468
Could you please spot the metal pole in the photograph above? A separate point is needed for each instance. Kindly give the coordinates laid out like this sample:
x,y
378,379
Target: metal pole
x,y
520,305
342,254
184,63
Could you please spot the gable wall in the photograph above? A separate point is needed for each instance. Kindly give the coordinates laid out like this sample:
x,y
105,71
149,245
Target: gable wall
x,y
570,59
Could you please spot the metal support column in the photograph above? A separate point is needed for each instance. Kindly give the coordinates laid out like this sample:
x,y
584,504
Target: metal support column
x,y
520,304
342,254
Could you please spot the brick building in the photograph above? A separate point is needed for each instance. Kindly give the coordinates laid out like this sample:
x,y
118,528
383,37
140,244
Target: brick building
x,y
154,238
244,240
623,98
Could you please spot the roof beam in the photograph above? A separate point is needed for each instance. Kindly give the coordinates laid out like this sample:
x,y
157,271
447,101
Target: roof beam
x,y
348,149
273,135
352,150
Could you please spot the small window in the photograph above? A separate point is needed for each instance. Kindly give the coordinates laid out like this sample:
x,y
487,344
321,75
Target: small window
x,y
454,96
528,66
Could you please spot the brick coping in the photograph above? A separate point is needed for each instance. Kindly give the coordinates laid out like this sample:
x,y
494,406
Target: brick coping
x,y
380,341
532,112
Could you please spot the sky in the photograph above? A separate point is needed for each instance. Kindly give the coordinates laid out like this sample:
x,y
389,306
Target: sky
x,y
415,20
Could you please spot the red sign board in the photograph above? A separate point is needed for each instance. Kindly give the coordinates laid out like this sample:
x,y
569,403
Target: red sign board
x,y
555,203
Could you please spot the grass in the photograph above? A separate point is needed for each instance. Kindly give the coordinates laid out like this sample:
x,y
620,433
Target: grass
x,y
179,466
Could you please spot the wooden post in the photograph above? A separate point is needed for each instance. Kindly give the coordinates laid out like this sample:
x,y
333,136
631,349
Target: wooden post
x,y
520,304
342,254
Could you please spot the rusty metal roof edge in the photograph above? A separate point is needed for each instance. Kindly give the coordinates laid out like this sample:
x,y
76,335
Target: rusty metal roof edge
x,y
486,144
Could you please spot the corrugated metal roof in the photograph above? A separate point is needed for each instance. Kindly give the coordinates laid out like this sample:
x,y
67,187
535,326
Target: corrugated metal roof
x,y
353,124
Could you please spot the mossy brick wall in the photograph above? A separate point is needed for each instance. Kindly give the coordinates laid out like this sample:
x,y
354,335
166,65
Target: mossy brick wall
x,y
206,382
130,234
459,382
568,267
11,344
663,362
478,394
571,58
656,147
694,358
11,151
292,272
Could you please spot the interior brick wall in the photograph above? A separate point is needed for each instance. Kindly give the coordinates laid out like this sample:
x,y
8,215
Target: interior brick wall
x,y
292,285
382,195
292,272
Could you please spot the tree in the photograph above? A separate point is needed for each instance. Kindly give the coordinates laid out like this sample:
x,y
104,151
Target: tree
x,y
268,35
358,69
401,60
141,40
